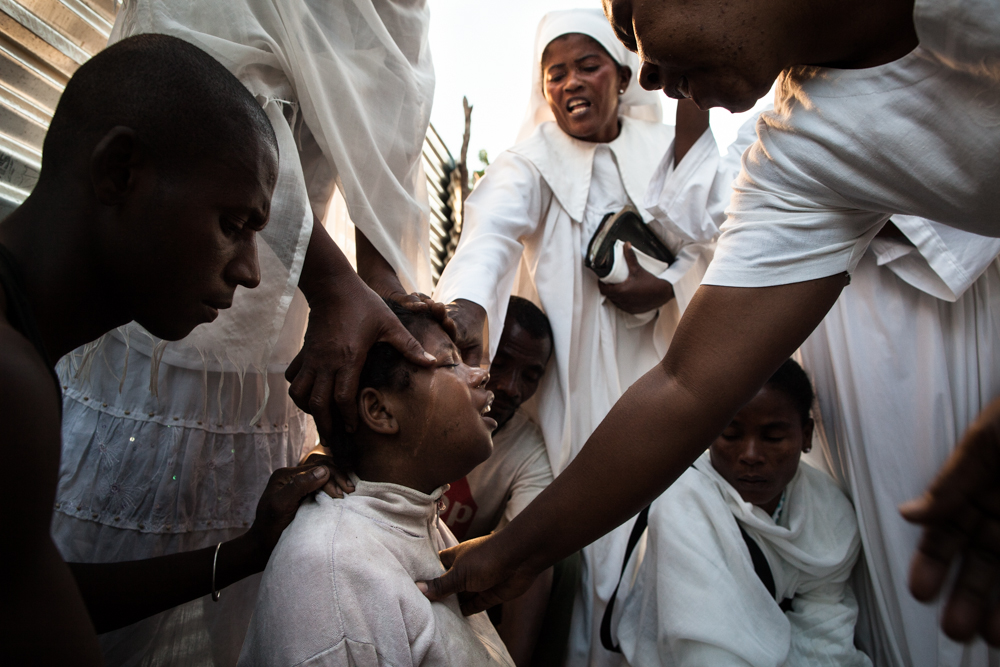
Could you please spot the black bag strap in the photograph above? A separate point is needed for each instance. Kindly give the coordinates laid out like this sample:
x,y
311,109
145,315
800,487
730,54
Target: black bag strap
x,y
633,539
762,569
760,565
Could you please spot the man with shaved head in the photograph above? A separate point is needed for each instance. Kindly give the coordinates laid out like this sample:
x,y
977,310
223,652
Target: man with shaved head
x,y
156,175
882,108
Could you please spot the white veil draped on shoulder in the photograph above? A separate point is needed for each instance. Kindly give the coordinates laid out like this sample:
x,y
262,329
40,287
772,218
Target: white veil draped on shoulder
x,y
635,102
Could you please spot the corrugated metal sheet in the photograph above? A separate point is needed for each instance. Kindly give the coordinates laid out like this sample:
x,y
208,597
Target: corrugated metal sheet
x,y
445,221
42,42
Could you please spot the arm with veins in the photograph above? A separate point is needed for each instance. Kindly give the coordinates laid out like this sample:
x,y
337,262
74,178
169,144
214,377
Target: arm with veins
x,y
728,343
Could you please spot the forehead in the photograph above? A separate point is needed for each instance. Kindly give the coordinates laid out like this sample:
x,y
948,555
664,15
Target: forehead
x,y
434,339
769,405
516,342
243,179
571,47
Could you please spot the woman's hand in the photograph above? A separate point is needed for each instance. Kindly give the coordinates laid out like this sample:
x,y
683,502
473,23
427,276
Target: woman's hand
x,y
121,593
641,292
469,319
339,484
960,514
345,319
481,576
282,496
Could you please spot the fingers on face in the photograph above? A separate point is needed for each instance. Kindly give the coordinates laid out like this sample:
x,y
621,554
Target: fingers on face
x,y
300,379
345,393
401,339
318,402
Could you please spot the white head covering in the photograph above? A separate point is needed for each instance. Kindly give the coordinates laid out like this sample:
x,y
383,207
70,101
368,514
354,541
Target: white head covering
x,y
635,103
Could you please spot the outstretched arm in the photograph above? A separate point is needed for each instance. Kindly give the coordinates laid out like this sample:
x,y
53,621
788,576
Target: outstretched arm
x,y
729,342
345,319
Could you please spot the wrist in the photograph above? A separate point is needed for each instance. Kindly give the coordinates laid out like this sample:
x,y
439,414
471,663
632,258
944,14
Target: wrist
x,y
331,290
384,282
666,291
241,557
521,550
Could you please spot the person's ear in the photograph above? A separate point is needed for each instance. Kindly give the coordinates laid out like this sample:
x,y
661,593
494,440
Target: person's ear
x,y
624,78
113,164
807,434
376,412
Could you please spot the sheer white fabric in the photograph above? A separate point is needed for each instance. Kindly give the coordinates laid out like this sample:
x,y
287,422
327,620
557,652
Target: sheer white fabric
x,y
634,103
698,601
903,363
692,196
167,447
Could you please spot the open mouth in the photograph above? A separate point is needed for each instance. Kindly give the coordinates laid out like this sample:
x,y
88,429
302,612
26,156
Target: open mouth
x,y
577,106
491,423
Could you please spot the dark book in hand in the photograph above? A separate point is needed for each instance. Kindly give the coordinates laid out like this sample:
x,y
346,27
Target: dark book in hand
x,y
626,226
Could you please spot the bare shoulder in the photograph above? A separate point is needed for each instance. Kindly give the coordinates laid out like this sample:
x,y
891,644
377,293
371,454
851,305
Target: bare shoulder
x,y
25,380
29,411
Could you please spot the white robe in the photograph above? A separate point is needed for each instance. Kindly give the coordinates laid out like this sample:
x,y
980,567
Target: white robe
x,y
527,226
903,363
339,589
697,600
846,149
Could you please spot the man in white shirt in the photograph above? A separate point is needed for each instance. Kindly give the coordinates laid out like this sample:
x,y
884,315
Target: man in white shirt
x,y
518,470
908,123
339,588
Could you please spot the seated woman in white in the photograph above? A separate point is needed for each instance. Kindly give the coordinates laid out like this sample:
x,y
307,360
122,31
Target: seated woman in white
x,y
339,588
749,553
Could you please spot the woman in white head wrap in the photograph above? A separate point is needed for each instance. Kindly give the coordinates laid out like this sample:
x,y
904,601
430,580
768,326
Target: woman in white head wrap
x,y
168,447
527,226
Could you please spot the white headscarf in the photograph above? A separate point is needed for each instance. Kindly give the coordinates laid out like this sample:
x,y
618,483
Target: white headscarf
x,y
635,102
